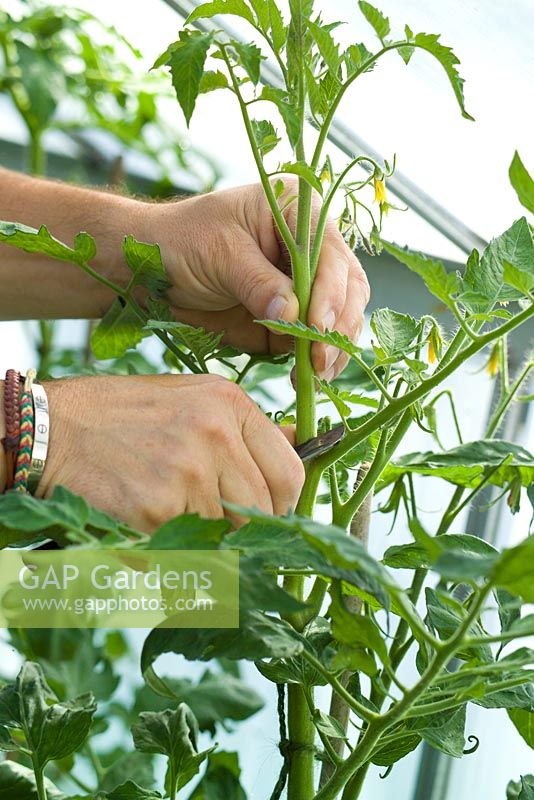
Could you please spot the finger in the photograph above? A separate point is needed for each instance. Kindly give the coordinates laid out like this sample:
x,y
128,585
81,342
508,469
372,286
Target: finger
x,y
281,467
350,323
242,483
259,286
205,502
350,320
329,293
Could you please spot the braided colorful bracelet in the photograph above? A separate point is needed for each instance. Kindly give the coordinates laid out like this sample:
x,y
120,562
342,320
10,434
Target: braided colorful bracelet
x,y
24,454
10,441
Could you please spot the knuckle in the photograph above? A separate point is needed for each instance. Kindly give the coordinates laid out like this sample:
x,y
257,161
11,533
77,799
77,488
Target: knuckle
x,y
194,473
217,432
230,392
157,510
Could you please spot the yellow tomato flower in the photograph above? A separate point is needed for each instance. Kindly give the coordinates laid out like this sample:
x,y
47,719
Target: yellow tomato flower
x,y
435,343
325,176
380,191
493,363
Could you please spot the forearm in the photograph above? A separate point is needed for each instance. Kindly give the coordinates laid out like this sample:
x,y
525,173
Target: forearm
x,y
33,286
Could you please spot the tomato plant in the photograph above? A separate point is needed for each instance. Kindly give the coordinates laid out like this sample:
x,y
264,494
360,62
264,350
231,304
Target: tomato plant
x,y
342,619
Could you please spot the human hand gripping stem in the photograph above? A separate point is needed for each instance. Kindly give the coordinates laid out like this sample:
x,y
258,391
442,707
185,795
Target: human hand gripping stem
x,y
228,266
222,252
149,448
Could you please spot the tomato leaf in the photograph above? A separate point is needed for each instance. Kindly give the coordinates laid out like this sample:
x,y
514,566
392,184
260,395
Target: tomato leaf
x,y
237,7
449,61
174,734
376,19
522,182
186,59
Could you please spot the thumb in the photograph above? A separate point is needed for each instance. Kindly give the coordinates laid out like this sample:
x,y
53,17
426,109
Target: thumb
x,y
262,288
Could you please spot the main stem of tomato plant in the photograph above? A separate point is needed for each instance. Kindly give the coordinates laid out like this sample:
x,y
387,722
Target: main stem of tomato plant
x,y
39,779
301,730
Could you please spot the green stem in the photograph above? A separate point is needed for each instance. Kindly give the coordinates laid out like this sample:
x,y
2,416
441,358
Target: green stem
x,y
95,761
447,393
173,782
80,784
505,402
362,711
305,378
280,220
37,153
39,779
436,707
301,730
386,448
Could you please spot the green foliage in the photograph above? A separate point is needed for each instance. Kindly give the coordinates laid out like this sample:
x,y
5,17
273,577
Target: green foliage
x,y
63,516
119,330
128,791
448,60
438,281
523,720
222,775
217,698
51,730
17,781
173,733
186,59
237,7
144,261
522,182
312,334
62,68
265,135
374,17
494,460
328,49
40,241
521,790
396,333
444,731
201,343
509,256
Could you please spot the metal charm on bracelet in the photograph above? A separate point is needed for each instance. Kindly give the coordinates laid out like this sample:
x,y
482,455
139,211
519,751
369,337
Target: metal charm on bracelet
x,y
41,436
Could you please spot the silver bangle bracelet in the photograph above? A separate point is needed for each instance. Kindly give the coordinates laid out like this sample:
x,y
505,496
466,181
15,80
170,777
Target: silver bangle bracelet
x,y
40,436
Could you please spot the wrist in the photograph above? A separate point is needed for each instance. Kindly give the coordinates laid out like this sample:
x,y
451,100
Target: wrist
x,y
62,405
118,217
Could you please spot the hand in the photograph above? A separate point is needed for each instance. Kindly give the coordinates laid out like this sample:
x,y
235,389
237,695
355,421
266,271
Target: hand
x,y
223,255
148,448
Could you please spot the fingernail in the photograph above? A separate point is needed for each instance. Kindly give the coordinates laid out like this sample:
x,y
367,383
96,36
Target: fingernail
x,y
276,308
331,355
329,374
328,321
